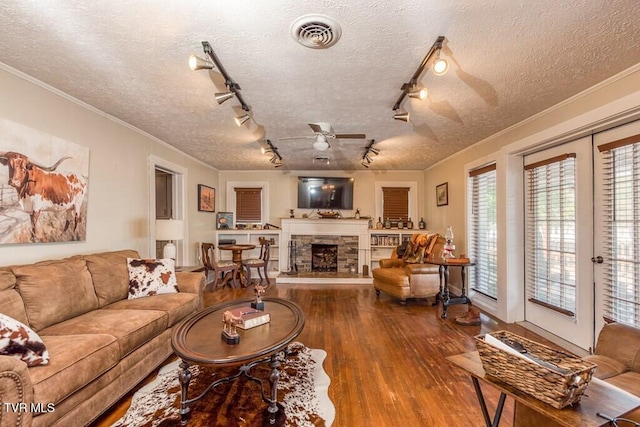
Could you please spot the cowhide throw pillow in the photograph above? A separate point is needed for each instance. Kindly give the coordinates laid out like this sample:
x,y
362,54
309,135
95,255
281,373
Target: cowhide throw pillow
x,y
151,277
20,341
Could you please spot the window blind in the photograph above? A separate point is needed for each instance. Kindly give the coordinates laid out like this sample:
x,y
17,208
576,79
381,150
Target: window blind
x,y
395,203
248,205
483,278
550,233
621,239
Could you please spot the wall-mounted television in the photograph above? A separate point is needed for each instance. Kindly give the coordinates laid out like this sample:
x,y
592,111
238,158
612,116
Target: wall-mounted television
x,y
325,193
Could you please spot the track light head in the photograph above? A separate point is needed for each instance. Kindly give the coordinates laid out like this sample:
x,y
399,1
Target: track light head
x,y
223,96
440,66
365,165
418,93
198,63
240,120
404,116
374,150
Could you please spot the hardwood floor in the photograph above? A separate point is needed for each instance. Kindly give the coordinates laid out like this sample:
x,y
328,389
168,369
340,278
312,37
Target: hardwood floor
x,y
386,361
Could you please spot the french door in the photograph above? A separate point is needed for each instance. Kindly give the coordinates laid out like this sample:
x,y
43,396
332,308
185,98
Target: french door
x,y
559,241
617,225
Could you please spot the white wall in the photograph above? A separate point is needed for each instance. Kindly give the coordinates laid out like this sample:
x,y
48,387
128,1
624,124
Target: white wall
x,y
118,203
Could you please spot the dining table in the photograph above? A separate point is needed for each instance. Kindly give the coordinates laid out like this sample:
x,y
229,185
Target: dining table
x,y
236,256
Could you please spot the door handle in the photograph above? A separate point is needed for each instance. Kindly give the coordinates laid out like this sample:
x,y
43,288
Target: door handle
x,y
597,259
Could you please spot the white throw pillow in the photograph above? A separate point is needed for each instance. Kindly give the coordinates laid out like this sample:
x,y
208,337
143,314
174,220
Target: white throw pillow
x,y
151,277
20,341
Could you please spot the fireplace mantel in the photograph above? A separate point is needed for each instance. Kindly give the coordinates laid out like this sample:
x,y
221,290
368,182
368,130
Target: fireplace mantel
x,y
323,227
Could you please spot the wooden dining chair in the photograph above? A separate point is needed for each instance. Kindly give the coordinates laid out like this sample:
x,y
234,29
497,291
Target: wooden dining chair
x,y
219,268
261,263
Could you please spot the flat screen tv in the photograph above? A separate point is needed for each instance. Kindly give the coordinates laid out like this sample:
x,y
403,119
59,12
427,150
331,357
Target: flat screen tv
x,y
325,193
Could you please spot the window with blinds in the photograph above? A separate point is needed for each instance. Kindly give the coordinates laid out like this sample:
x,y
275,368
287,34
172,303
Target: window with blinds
x,y
551,233
248,205
395,203
483,278
621,240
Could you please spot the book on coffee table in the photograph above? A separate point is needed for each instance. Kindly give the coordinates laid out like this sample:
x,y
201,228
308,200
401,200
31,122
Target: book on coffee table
x,y
251,317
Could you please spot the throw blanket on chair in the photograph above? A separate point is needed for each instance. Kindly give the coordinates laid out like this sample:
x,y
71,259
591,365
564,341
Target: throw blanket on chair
x,y
423,245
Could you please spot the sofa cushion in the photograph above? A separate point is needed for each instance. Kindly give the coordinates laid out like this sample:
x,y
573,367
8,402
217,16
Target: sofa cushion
x,y
607,367
132,328
11,303
55,291
75,361
629,381
110,274
151,277
21,342
177,306
620,342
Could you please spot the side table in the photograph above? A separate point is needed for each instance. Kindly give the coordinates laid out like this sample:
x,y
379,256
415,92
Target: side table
x,y
443,295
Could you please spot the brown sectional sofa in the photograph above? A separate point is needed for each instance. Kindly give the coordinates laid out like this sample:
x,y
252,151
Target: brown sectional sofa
x,y
100,343
410,277
617,355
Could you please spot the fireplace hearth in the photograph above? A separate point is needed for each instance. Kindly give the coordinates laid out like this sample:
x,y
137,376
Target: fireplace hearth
x,y
324,257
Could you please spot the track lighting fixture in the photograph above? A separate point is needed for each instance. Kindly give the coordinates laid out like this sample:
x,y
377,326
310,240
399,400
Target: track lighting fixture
x,y
440,66
411,88
366,160
403,117
240,120
223,96
418,93
197,63
276,158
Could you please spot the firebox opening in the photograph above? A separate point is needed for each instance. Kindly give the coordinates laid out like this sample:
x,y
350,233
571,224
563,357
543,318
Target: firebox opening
x,y
324,257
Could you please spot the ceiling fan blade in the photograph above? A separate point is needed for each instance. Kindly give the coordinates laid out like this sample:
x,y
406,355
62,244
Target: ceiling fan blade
x,y
351,136
316,127
296,137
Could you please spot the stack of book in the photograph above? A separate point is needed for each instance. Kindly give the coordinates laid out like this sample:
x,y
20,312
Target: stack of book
x,y
251,317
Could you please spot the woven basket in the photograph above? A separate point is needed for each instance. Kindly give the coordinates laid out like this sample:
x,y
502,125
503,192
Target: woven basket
x,y
552,387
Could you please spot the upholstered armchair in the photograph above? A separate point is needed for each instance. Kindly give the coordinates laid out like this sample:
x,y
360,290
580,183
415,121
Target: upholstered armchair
x,y
409,277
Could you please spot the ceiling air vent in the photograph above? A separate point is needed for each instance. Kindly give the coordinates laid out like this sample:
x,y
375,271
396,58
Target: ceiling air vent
x,y
316,31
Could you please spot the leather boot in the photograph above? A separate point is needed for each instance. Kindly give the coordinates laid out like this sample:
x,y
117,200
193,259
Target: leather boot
x,y
470,318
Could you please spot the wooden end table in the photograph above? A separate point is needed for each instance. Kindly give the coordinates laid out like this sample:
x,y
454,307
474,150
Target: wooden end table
x,y
197,341
529,411
443,295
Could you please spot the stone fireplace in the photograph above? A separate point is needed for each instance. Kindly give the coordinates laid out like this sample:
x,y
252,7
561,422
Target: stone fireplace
x,y
349,237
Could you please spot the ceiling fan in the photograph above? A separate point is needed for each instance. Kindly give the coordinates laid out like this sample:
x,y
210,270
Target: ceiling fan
x,y
322,132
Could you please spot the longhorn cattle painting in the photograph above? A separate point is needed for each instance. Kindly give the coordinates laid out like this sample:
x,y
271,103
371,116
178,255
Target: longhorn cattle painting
x,y
43,188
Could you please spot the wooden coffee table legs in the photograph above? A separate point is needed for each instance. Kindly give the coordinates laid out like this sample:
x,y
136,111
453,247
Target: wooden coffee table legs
x,y
274,376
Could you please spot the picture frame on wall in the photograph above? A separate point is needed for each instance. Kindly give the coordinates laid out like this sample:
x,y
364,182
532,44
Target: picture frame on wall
x,y
206,198
224,220
442,194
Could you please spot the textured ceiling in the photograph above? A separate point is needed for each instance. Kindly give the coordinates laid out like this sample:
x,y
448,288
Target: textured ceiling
x,y
509,59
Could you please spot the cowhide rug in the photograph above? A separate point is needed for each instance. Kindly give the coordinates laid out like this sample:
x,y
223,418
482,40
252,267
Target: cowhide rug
x,y
302,396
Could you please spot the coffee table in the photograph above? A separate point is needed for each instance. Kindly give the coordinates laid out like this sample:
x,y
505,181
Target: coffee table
x,y
197,341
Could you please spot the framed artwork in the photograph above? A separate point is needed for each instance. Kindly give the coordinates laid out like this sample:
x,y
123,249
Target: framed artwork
x,y
442,194
44,183
224,220
206,198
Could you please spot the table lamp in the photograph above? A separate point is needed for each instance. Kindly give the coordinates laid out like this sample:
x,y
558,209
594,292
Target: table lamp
x,y
169,229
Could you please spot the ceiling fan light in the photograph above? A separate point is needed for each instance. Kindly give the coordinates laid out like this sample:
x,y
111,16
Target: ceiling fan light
x,y
440,66
197,63
321,145
403,117
418,93
240,120
223,96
